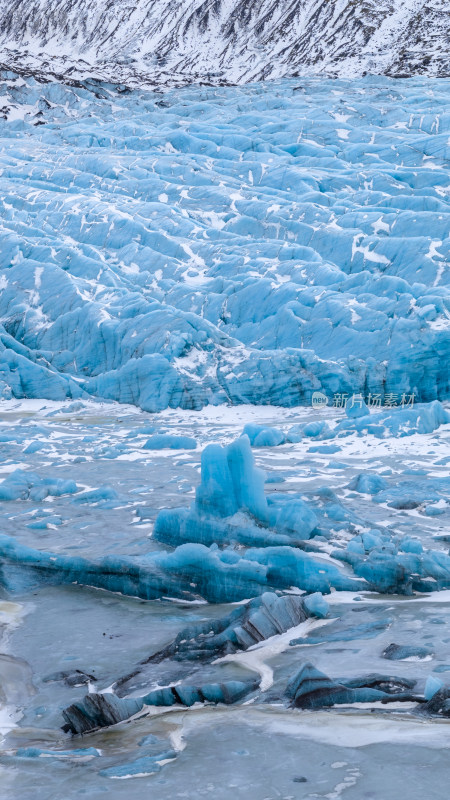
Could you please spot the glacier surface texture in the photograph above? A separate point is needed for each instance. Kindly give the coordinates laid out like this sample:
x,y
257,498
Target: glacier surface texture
x,y
243,245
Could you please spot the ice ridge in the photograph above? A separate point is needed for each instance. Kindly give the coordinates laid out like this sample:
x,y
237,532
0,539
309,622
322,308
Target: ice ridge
x,y
225,245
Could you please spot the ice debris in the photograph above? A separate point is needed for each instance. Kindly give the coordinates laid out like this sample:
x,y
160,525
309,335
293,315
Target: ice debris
x,y
102,710
337,632
162,440
438,704
80,755
231,506
146,765
420,418
316,605
404,652
263,435
356,407
359,419
310,688
396,421
432,686
234,542
247,625
396,563
22,485
74,677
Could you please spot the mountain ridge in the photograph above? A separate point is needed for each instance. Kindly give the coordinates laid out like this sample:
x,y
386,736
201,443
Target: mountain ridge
x,y
223,42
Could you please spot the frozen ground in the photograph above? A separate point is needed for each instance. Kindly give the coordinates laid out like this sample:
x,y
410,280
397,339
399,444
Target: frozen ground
x,y
256,751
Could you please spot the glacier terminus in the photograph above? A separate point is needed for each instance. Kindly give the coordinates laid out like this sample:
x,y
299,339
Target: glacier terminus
x,y
224,409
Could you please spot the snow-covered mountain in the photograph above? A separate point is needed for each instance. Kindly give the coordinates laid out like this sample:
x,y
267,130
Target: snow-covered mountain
x,y
150,41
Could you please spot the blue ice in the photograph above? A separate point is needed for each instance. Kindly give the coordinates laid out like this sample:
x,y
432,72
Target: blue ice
x,y
134,270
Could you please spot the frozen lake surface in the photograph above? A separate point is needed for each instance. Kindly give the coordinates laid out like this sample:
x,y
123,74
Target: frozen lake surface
x,y
259,750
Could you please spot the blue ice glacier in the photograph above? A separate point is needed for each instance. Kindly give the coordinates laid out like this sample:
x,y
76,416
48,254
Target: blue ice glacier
x,y
278,244
248,244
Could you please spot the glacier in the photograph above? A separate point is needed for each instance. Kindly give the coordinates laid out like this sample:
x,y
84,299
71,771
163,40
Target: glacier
x,y
224,437
242,245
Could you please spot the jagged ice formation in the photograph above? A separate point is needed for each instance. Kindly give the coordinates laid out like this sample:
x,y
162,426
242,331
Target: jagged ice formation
x,y
225,245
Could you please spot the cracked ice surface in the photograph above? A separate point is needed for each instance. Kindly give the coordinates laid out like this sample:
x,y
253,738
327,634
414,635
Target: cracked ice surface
x,y
207,245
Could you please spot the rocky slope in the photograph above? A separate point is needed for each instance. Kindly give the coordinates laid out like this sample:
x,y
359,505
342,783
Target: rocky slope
x,y
232,41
